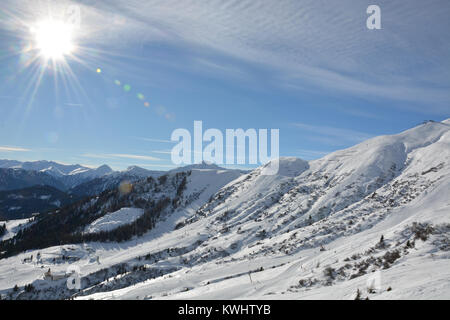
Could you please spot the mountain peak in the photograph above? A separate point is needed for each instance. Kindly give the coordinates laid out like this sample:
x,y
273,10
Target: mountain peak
x,y
133,168
138,171
288,166
203,165
105,169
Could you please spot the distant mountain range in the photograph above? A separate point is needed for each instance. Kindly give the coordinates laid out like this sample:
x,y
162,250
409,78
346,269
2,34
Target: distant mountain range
x,y
68,176
68,183
11,179
61,176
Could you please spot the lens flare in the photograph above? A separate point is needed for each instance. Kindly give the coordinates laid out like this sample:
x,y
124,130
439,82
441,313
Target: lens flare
x,y
125,187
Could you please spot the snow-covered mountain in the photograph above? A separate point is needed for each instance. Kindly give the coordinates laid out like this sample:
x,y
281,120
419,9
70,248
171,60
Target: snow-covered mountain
x,y
69,175
50,167
370,221
81,175
11,179
141,172
76,178
131,175
112,180
204,165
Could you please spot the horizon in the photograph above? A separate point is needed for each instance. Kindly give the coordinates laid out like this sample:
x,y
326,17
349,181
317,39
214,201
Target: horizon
x,y
224,166
132,73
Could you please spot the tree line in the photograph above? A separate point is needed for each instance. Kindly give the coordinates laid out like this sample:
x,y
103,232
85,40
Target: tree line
x,y
66,225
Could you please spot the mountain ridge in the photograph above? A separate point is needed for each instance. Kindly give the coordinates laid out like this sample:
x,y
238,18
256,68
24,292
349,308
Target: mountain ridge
x,y
318,229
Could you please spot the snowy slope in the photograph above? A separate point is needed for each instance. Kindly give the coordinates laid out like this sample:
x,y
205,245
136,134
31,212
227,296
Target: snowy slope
x,y
80,175
13,226
112,220
374,217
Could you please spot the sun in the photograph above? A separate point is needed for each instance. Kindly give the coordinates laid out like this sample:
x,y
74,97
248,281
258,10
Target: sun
x,y
53,39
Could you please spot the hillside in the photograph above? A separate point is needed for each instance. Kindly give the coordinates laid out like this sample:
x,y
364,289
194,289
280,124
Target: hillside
x,y
12,179
112,180
373,219
15,204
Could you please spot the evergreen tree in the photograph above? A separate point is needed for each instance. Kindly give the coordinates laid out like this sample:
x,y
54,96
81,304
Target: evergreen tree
x,y
358,295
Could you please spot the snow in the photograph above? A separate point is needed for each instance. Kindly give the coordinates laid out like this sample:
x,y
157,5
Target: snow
x,y
13,226
289,166
139,172
112,220
53,171
56,203
69,175
53,168
239,223
92,173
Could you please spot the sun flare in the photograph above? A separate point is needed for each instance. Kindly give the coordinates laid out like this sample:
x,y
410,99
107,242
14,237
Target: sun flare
x,y
53,39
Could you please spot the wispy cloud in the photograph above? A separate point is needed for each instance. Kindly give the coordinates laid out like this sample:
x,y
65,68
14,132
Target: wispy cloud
x,y
217,68
361,113
332,135
306,45
121,156
95,156
70,104
303,44
169,166
163,151
11,97
154,140
13,149
133,156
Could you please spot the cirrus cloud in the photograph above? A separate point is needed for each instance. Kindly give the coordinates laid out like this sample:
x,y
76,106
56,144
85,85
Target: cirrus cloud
x,y
120,155
13,149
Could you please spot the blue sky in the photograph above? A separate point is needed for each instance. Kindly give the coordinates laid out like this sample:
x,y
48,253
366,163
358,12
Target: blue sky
x,y
309,68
